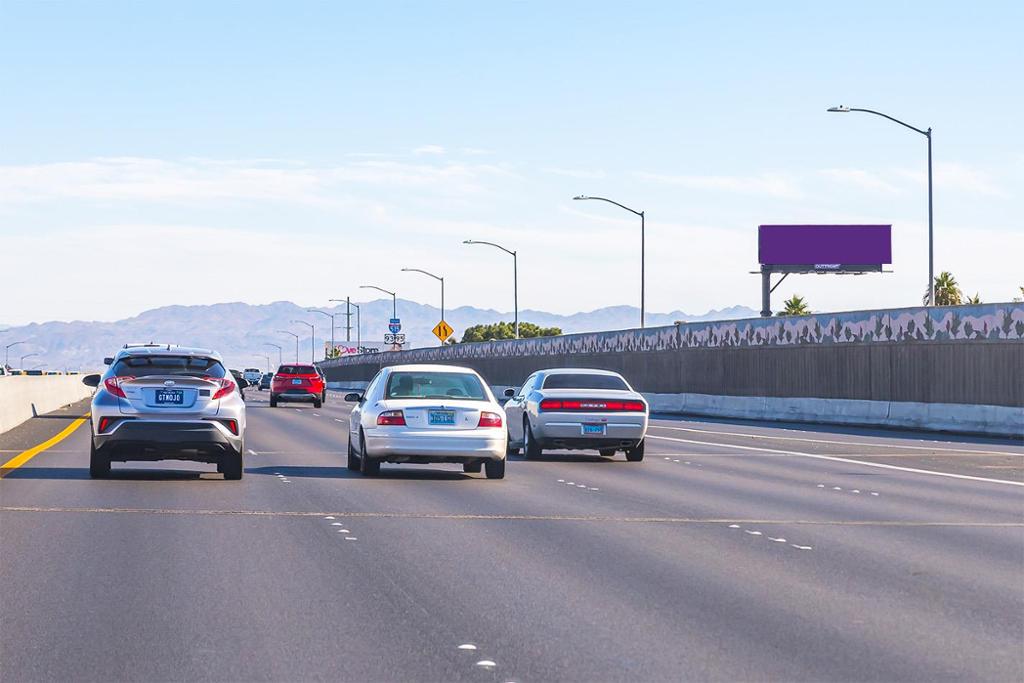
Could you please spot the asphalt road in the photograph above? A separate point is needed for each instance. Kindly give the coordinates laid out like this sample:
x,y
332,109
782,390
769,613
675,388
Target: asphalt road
x,y
728,554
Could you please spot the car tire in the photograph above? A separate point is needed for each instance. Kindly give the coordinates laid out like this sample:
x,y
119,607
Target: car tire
x,y
495,468
531,449
370,467
317,403
99,465
273,401
472,467
353,461
636,453
231,466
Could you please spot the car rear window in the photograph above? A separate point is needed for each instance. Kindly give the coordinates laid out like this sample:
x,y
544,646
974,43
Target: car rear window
x,y
296,370
582,381
143,366
435,385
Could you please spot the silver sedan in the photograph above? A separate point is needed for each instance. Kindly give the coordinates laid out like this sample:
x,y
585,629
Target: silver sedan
x,y
576,408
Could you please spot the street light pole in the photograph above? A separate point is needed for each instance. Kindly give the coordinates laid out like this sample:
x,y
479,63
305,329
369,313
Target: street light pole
x,y
296,343
928,134
436,277
7,352
280,360
27,355
515,276
643,251
263,355
394,297
331,316
312,339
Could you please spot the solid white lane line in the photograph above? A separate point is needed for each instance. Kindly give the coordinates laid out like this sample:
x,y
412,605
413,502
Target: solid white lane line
x,y
834,443
837,459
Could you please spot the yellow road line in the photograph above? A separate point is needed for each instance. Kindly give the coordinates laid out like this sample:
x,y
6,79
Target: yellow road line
x,y
23,457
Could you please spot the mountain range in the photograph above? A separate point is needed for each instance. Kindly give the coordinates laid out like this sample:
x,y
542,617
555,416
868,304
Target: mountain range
x,y
242,333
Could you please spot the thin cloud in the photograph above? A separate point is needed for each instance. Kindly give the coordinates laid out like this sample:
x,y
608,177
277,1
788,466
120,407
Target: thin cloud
x,y
951,175
766,184
576,173
860,178
429,149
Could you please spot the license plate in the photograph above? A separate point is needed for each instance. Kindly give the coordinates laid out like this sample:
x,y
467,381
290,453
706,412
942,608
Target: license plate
x,y
441,417
593,429
173,397
296,381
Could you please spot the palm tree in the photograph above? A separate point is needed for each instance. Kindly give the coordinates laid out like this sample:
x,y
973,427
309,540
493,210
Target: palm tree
x,y
795,305
947,291
976,299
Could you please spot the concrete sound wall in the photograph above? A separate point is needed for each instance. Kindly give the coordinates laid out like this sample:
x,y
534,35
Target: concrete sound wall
x,y
20,393
889,367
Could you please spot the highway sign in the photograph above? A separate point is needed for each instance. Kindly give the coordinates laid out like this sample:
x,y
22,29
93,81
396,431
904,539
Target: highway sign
x,y
443,330
395,325
394,338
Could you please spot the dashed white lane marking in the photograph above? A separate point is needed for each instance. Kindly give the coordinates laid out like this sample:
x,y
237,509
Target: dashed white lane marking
x,y
821,486
849,461
561,481
467,646
316,414
856,491
486,662
734,526
968,451
777,540
874,493
837,488
252,452
344,531
594,489
780,539
338,420
336,523
329,517
801,547
752,533
350,538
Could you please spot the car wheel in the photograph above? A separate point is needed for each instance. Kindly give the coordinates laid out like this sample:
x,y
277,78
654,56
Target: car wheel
x,y
273,401
495,468
231,465
607,452
317,403
370,467
472,467
531,449
636,453
353,461
99,465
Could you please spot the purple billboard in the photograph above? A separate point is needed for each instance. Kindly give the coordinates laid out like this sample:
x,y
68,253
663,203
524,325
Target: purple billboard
x,y
826,247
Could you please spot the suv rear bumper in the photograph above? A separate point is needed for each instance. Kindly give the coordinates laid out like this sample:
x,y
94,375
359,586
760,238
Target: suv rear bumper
x,y
200,440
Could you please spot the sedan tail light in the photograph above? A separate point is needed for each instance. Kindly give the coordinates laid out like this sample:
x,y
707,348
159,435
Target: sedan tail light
x,y
113,385
391,417
225,387
489,419
592,405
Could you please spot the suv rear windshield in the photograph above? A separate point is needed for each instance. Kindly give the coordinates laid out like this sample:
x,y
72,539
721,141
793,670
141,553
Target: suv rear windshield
x,y
194,366
435,385
296,370
581,381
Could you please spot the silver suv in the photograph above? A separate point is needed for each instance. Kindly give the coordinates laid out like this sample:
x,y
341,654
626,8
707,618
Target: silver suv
x,y
164,402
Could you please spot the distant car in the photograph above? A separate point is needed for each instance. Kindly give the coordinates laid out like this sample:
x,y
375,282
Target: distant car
x,y
166,403
265,380
576,408
240,382
427,414
302,382
252,375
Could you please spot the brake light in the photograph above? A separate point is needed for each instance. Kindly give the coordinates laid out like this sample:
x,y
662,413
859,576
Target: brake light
x,y
592,405
489,420
104,423
391,417
232,426
113,385
225,385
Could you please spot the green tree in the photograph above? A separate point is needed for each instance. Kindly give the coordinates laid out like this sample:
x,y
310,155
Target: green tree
x,y
795,305
947,291
976,299
504,330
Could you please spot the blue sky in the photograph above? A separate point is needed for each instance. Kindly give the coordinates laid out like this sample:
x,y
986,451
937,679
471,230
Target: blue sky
x,y
364,137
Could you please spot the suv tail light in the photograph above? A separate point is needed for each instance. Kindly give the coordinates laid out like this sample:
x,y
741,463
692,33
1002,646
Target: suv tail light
x,y
391,417
592,405
113,385
489,419
225,387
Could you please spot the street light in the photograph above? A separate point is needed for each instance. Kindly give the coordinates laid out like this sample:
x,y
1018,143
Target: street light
x,y
280,360
515,276
928,134
348,329
643,274
436,277
312,339
331,316
394,298
27,355
40,365
7,351
296,343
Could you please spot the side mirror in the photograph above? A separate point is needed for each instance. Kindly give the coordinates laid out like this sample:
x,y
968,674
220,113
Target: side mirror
x,y
353,397
91,380
510,392
108,360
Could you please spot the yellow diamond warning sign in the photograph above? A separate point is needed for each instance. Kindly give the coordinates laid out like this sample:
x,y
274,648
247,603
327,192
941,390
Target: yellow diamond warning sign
x,y
443,330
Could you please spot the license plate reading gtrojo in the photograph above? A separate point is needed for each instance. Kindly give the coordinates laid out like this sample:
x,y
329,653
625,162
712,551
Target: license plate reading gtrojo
x,y
441,417
170,397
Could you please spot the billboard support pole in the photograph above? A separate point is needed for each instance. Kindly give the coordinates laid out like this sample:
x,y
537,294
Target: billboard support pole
x,y
766,292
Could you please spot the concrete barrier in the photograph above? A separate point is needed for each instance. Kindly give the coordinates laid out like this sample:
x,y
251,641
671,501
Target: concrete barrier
x,y
20,395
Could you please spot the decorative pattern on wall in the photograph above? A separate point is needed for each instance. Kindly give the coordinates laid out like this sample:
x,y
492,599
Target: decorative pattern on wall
x,y
903,325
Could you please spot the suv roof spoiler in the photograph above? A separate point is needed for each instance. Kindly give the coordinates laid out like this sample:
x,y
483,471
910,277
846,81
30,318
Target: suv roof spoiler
x,y
148,345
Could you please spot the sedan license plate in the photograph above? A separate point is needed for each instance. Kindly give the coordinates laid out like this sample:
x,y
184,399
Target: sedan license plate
x,y
296,381
441,417
170,397
590,430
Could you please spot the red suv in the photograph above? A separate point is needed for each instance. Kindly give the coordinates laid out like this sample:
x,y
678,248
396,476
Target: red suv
x,y
298,383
